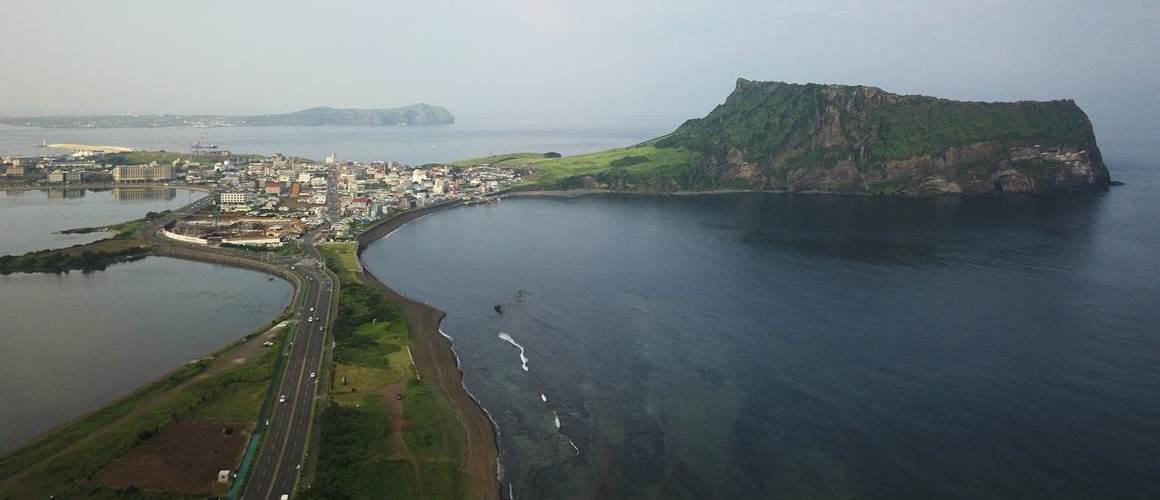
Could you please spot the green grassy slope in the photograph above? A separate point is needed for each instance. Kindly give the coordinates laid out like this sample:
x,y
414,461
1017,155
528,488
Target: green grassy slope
x,y
635,167
777,132
364,451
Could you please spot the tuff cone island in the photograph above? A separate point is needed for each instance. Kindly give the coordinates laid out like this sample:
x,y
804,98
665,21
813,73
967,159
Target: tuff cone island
x,y
775,136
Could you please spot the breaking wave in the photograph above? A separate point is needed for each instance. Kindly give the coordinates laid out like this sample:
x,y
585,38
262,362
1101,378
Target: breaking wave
x,y
523,354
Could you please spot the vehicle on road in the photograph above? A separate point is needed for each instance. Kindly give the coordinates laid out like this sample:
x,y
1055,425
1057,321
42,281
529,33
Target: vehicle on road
x,y
312,375
282,398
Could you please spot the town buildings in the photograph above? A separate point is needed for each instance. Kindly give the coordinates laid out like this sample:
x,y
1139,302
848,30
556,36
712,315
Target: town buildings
x,y
143,173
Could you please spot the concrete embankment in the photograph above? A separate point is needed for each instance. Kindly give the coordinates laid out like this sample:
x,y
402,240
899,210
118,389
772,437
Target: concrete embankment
x,y
213,258
436,361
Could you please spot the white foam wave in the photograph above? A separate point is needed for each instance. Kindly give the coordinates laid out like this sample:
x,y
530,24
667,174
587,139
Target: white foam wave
x,y
574,447
523,354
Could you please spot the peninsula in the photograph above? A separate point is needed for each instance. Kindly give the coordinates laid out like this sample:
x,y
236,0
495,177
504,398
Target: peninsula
x,y
774,136
415,114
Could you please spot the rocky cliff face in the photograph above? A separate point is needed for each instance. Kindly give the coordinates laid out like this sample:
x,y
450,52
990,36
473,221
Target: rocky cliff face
x,y
837,138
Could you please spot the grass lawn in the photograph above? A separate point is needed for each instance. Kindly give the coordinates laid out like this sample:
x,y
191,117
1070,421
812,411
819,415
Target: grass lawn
x,y
342,258
243,390
63,461
365,451
640,163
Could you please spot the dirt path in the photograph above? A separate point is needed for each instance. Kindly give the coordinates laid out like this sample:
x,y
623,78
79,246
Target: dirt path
x,y
435,360
243,352
394,409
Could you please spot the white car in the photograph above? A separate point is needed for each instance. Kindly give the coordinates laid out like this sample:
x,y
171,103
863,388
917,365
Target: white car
x,y
282,398
312,375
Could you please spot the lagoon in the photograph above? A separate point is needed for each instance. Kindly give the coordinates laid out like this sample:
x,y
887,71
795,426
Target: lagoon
x,y
71,343
31,219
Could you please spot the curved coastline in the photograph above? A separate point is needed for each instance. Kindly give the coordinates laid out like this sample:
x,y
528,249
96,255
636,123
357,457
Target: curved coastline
x,y
435,356
158,248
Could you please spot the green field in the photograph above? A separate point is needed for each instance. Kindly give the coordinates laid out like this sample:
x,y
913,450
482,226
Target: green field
x,y
124,246
63,461
643,166
366,450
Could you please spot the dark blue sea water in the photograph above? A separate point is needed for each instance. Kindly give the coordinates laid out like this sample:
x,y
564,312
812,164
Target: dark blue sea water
x,y
779,346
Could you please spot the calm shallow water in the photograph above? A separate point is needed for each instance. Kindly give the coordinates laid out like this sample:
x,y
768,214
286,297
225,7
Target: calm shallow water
x,y
73,342
31,219
412,145
750,346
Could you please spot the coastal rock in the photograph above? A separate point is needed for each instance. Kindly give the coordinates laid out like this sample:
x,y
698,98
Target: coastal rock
x,y
859,139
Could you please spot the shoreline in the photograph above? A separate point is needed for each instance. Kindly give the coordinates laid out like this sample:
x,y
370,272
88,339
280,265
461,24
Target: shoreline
x,y
434,355
101,186
144,387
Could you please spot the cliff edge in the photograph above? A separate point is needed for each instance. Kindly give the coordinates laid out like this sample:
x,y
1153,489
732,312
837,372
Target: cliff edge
x,y
853,139
811,137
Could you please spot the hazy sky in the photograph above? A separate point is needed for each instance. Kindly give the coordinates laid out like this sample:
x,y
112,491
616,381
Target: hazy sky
x,y
580,61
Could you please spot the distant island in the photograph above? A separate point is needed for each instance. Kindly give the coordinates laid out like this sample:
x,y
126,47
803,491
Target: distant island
x,y
416,114
774,136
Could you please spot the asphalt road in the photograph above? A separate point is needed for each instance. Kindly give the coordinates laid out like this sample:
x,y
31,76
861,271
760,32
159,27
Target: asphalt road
x,y
281,457
287,432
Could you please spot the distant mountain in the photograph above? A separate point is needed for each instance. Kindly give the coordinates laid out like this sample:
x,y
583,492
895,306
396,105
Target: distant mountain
x,y
851,139
416,114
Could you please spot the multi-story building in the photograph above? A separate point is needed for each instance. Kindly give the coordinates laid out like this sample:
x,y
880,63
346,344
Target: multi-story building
x,y
61,176
143,173
235,198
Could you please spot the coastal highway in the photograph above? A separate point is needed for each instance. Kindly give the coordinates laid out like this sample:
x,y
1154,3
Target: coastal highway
x,y
288,429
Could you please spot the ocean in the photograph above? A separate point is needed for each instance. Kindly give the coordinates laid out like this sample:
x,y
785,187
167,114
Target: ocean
x,y
803,346
410,145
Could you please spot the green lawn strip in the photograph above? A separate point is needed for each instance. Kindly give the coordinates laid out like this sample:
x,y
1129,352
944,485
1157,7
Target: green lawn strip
x,y
279,353
115,429
68,473
244,392
354,461
643,164
434,431
342,258
37,450
433,434
356,458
